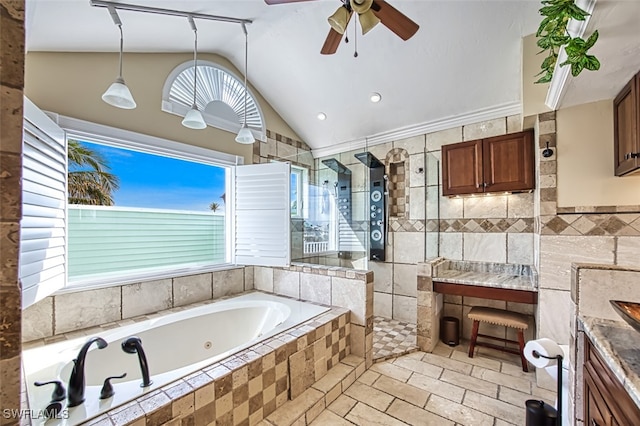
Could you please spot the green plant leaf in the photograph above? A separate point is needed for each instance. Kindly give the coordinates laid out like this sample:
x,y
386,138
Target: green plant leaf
x,y
592,63
549,61
592,39
544,79
576,69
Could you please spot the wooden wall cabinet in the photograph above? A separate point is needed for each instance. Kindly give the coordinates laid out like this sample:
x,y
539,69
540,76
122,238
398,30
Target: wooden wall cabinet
x,y
626,128
498,164
606,402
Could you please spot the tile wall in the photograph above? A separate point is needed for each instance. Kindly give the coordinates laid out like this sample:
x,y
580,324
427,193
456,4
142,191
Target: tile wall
x,y
12,83
335,286
494,228
79,310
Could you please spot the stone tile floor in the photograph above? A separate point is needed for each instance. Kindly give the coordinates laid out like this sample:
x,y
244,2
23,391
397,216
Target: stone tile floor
x,y
442,388
392,338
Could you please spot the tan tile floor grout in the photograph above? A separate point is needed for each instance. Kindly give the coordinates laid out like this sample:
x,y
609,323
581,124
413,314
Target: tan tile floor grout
x,y
443,388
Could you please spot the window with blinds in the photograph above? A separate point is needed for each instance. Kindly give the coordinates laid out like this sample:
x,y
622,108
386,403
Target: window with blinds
x,y
263,224
43,239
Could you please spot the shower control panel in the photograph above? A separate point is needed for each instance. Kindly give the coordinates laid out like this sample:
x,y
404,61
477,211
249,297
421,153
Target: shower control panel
x,y
377,219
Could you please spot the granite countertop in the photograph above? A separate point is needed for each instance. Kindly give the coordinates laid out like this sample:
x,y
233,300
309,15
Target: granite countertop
x,y
619,346
486,279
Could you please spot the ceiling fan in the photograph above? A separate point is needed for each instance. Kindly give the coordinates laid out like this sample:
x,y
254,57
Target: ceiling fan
x,y
370,12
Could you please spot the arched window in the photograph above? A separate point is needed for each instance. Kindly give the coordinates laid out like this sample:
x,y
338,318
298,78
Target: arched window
x,y
219,96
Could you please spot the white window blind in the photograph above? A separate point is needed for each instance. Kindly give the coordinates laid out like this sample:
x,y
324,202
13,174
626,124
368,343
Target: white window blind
x,y
44,200
262,213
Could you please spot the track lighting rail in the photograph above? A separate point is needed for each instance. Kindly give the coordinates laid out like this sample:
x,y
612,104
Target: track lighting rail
x,y
170,12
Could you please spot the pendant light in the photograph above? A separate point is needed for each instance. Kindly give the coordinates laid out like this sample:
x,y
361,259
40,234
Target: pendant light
x,y
244,135
193,119
118,93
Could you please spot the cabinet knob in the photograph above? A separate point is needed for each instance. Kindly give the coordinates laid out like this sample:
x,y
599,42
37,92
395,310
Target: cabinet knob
x,y
485,184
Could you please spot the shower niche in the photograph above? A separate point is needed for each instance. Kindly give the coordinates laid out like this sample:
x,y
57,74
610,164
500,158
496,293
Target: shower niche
x,y
378,194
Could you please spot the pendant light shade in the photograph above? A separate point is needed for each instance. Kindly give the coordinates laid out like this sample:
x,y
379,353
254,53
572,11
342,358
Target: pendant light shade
x,y
339,19
193,119
244,135
118,94
368,20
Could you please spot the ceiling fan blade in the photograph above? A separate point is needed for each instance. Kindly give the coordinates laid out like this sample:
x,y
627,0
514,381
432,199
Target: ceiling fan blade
x,y
395,20
283,1
331,43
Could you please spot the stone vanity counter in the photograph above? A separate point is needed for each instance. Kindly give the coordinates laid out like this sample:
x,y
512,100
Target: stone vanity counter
x,y
497,275
619,346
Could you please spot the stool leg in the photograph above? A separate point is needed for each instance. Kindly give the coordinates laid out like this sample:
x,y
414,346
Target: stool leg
x,y
474,337
525,367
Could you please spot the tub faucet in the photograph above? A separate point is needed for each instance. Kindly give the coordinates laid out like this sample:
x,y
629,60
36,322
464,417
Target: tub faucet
x,y
76,380
132,345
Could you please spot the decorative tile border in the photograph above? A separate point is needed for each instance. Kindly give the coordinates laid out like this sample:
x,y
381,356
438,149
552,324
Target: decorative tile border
x,y
482,225
289,141
598,209
621,224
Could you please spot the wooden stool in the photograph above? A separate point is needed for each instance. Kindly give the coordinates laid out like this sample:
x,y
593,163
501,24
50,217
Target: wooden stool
x,y
499,317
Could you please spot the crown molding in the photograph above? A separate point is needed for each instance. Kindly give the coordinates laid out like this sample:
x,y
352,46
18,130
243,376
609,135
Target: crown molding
x,y
501,111
558,85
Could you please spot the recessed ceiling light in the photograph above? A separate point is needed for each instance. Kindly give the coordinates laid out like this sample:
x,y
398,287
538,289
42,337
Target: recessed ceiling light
x,y
322,116
375,97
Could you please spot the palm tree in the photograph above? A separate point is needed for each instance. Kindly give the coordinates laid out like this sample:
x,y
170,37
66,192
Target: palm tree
x,y
89,180
214,207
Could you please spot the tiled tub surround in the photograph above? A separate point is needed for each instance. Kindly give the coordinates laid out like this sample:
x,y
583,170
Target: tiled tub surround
x,y
246,387
496,275
341,287
592,286
78,310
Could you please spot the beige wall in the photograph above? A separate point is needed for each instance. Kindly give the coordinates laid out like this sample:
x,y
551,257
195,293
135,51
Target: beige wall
x,y
71,84
585,159
533,95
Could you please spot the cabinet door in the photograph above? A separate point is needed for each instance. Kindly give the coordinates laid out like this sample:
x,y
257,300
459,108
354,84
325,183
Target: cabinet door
x,y
462,168
625,128
508,162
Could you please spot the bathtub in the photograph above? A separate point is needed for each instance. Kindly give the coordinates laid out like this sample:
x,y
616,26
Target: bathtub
x,y
175,345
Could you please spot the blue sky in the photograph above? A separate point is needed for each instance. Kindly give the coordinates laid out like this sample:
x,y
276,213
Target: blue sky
x,y
153,181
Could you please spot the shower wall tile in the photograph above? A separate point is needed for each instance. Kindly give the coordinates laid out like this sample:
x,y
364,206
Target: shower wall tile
x,y
380,151
37,320
417,203
359,177
408,247
286,283
404,280
227,282
382,276
285,151
444,137
450,207
432,201
349,157
417,178
248,278
383,305
359,202
520,248
74,311
146,297
433,168
485,247
191,289
405,308
315,288
431,249
263,278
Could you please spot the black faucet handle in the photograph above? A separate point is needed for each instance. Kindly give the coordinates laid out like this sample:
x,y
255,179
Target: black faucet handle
x,y
59,392
107,389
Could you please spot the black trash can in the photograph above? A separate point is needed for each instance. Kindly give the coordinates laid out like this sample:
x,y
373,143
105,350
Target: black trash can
x,y
450,331
539,413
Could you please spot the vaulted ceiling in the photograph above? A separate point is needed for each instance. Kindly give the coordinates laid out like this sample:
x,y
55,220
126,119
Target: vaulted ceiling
x,y
465,58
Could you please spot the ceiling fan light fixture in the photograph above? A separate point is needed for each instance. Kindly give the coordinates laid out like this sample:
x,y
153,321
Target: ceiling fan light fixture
x,y
339,20
368,20
360,6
